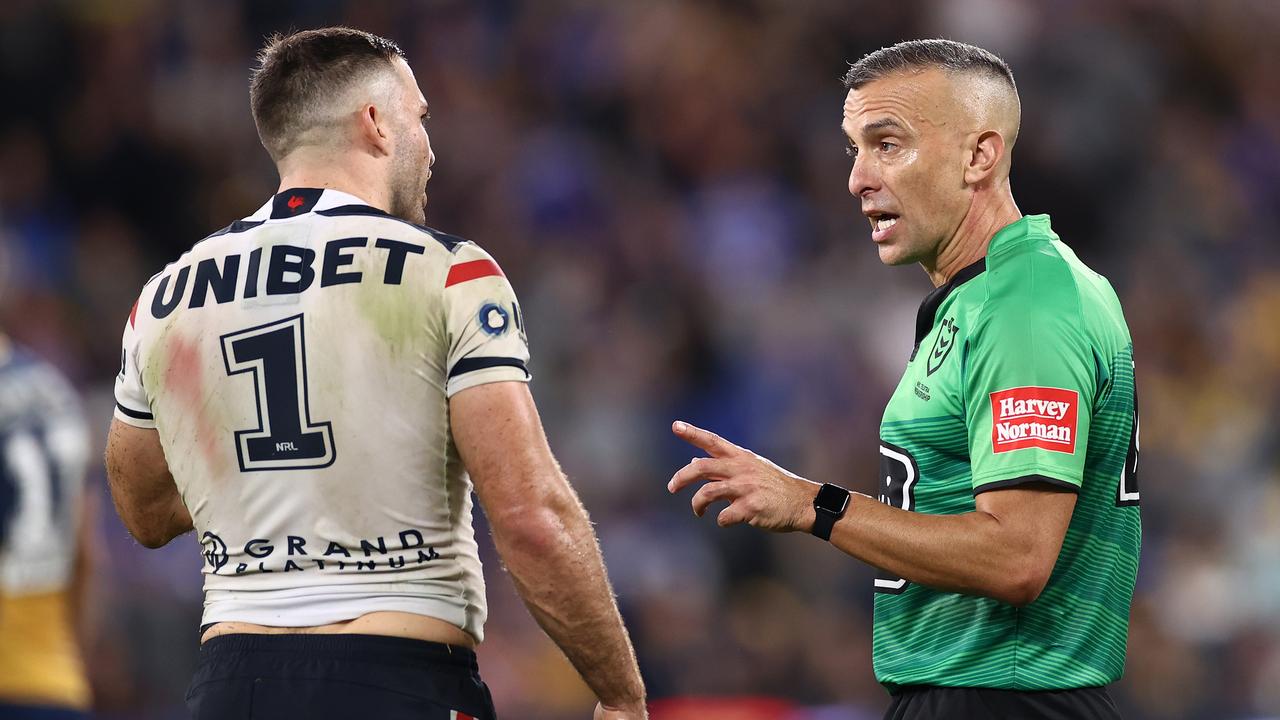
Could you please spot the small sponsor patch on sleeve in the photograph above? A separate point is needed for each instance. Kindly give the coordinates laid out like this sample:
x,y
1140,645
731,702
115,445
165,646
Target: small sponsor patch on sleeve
x,y
1040,417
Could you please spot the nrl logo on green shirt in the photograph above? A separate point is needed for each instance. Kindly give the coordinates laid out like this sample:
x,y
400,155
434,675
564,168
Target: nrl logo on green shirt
x,y
942,344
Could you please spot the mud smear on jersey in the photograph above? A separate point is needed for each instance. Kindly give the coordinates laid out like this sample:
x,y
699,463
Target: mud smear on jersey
x,y
181,373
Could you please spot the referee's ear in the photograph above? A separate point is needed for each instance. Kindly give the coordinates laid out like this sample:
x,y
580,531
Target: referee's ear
x,y
987,159
372,130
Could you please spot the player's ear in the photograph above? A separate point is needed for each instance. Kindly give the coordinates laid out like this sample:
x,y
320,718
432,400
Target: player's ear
x,y
373,130
984,157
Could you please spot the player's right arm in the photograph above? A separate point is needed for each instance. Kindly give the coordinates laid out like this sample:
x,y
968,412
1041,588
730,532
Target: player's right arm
x,y
545,539
539,526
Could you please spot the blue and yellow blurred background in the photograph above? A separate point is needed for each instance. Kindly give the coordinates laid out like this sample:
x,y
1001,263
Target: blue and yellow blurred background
x,y
665,184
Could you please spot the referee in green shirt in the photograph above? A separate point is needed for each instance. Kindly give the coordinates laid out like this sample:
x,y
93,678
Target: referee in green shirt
x,y
1007,526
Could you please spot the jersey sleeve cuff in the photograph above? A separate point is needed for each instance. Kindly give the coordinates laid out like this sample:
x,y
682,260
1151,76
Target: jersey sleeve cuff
x,y
136,418
470,372
1026,480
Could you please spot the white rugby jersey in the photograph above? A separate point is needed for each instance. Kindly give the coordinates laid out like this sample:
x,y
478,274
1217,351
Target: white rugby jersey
x,y
298,366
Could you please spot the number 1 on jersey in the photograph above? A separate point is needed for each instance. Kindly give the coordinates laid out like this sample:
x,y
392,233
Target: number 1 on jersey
x,y
275,355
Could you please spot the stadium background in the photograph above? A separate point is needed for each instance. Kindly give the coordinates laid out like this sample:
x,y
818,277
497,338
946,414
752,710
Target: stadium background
x,y
664,183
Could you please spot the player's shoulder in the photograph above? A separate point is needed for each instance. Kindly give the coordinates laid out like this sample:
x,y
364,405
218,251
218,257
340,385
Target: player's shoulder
x,y
455,249
30,383
378,222
399,227
16,357
1031,269
208,245
358,219
1038,280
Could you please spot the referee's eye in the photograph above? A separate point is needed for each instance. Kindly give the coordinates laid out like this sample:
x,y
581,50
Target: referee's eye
x,y
887,146
851,151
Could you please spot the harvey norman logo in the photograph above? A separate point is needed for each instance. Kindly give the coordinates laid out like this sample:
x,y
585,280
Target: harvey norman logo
x,y
1034,417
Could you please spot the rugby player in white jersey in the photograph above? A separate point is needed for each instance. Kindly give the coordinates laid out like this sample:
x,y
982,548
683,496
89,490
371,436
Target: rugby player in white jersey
x,y
316,390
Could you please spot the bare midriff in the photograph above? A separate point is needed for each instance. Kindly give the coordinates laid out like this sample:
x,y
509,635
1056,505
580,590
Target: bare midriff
x,y
389,623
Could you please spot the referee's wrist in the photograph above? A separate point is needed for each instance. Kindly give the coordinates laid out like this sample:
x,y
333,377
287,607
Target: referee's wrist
x,y
830,503
807,519
809,515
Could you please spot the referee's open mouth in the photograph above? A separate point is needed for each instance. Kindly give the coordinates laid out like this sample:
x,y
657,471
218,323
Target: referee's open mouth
x,y
882,223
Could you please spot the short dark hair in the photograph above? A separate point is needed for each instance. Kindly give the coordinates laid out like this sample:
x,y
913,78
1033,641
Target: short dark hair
x,y
295,71
920,54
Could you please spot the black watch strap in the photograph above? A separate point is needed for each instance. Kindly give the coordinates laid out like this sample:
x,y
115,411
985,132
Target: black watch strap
x,y
829,506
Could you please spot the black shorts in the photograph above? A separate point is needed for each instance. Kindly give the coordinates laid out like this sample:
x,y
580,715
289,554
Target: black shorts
x,y
924,702
333,677
39,712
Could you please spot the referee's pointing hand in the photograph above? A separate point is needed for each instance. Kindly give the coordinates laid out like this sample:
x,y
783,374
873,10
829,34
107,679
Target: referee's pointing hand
x,y
759,493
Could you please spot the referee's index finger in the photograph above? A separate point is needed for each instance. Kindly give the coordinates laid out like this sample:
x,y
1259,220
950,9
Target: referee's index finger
x,y
715,445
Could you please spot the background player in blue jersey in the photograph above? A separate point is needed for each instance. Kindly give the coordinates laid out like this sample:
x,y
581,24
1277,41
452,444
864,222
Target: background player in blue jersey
x,y
44,534
1007,527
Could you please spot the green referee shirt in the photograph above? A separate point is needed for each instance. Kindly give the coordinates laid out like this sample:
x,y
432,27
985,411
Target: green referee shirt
x,y
1022,372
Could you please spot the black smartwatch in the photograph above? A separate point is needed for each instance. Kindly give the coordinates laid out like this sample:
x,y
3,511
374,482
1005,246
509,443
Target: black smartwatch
x,y
830,505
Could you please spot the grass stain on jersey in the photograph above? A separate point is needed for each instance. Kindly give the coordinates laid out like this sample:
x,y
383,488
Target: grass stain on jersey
x,y
393,311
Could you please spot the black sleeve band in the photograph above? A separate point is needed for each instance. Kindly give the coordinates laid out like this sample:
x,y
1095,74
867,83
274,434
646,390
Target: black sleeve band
x,y
467,365
135,414
1053,483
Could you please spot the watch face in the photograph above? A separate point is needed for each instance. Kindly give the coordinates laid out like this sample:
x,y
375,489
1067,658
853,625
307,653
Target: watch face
x,y
832,499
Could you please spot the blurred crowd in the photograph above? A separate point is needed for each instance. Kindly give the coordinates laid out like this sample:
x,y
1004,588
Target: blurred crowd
x,y
664,183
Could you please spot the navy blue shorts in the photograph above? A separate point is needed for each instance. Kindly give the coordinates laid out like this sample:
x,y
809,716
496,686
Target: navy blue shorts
x,y
943,703
332,677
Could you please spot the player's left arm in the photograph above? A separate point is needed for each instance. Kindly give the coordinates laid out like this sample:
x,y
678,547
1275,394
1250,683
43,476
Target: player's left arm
x,y
142,488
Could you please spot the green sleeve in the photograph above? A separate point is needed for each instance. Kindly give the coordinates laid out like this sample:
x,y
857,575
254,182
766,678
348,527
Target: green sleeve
x,y
1030,382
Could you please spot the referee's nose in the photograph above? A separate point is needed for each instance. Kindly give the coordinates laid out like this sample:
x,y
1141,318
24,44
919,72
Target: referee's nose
x,y
863,177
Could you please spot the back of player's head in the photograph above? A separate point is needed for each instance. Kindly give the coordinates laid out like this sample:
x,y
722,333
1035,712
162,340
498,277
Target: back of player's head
x,y
923,54
302,77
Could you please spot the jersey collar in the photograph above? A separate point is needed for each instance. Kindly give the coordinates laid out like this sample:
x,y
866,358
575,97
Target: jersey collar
x,y
1028,227
929,308
298,201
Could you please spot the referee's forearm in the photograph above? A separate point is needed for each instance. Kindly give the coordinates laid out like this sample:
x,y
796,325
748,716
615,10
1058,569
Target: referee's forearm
x,y
555,562
970,553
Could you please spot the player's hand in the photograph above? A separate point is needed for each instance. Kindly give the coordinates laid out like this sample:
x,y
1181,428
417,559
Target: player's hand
x,y
760,493
605,712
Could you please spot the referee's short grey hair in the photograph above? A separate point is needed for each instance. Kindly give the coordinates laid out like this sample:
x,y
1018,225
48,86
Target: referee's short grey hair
x,y
923,54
